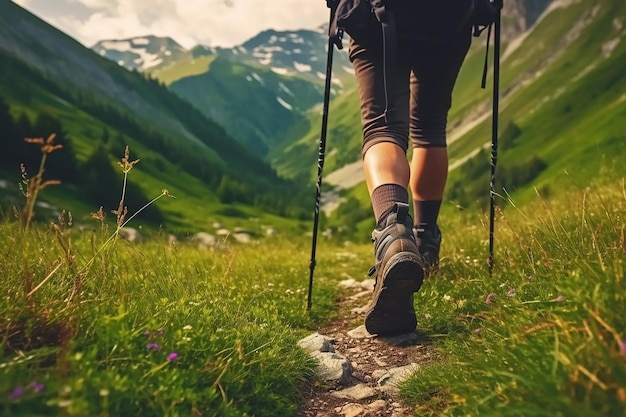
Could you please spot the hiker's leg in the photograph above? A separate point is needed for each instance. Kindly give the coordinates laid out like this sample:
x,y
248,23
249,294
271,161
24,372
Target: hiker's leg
x,y
385,124
397,267
435,70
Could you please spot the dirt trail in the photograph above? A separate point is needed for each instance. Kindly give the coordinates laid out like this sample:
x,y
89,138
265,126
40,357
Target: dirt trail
x,y
372,359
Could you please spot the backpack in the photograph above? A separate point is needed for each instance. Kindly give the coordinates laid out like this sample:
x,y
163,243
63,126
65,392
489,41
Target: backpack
x,y
353,16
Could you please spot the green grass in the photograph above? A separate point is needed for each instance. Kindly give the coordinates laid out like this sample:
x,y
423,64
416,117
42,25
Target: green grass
x,y
186,68
89,321
545,334
231,315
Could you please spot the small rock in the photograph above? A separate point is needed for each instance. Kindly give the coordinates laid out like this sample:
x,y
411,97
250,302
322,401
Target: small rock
x,y
389,382
378,405
204,240
352,410
360,333
368,284
242,237
327,346
357,392
313,343
129,233
347,283
379,373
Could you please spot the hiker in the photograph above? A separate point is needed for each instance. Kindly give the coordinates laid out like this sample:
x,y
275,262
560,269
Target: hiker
x,y
404,104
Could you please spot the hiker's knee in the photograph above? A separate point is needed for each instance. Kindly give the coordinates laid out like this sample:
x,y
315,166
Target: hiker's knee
x,y
372,138
429,131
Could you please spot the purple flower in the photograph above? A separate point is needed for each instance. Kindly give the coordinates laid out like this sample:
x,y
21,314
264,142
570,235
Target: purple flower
x,y
16,393
511,293
37,387
622,345
147,333
153,346
559,298
172,356
160,331
489,297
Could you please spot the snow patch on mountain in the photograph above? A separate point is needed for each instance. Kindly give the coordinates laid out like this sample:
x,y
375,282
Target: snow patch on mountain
x,y
281,71
285,89
302,67
284,103
140,53
258,78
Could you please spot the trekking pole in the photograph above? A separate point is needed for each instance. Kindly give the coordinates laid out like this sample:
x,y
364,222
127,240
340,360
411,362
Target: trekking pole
x,y
494,129
332,4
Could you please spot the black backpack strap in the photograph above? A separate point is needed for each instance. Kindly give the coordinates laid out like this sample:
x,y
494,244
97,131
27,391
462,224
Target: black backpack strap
x,y
485,14
352,16
388,28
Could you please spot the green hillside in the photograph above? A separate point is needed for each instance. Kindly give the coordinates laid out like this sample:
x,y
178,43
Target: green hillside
x,y
255,104
184,68
99,108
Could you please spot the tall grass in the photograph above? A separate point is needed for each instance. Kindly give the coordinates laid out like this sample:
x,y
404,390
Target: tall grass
x,y
94,325
160,329
545,335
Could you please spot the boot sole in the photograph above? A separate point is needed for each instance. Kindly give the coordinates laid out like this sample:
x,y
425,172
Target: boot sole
x,y
392,310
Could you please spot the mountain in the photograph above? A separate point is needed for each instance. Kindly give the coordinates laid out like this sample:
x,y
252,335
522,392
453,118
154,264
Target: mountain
x,y
140,53
260,91
268,111
49,83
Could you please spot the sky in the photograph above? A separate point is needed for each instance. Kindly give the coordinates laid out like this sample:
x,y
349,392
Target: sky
x,y
223,23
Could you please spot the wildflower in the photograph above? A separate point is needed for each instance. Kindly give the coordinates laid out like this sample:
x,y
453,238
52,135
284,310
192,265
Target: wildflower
x,y
37,387
47,146
622,345
511,293
172,356
489,298
187,327
446,297
530,278
16,393
147,333
478,330
160,331
559,298
289,292
126,164
153,346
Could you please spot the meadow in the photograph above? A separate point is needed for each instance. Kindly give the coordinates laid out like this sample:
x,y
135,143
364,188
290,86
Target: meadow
x,y
93,325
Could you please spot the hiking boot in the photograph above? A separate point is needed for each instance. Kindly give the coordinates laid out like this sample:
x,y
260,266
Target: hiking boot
x,y
428,244
399,274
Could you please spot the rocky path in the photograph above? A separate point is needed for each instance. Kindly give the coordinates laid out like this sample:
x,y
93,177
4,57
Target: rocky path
x,y
358,374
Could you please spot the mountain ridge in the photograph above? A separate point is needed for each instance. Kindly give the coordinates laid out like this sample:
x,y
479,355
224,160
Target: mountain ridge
x,y
44,70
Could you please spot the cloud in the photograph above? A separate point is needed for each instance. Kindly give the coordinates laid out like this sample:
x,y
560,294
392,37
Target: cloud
x,y
210,22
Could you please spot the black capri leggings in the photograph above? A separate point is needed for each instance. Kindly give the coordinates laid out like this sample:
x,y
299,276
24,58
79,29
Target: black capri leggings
x,y
424,77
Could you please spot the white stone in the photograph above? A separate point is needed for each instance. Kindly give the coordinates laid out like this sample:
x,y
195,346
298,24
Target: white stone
x,y
204,239
129,233
357,392
391,379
